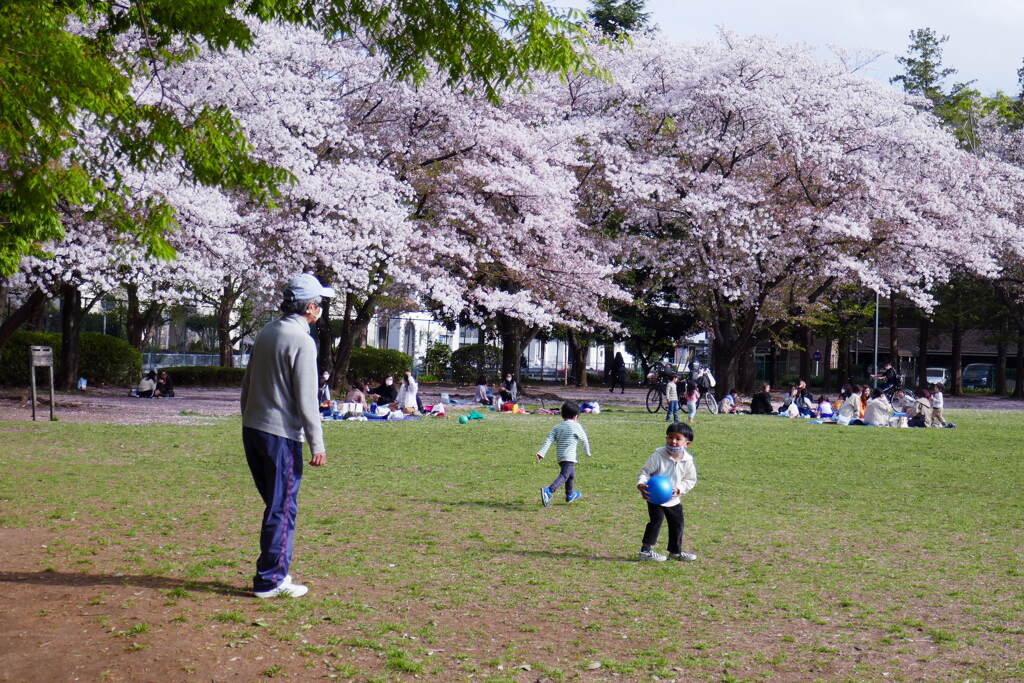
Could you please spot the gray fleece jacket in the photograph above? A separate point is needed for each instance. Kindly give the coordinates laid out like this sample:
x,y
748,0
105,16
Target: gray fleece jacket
x,y
279,390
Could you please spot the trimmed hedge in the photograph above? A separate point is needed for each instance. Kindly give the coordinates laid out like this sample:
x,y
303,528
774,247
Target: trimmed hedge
x,y
469,362
373,364
205,376
104,359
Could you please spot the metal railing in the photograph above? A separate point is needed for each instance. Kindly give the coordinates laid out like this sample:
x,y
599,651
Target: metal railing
x,y
152,359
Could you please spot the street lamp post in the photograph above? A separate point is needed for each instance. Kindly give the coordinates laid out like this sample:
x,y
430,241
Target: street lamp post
x,y
875,369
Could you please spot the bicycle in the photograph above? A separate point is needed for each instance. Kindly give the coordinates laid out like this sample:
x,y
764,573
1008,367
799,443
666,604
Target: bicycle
x,y
656,398
708,399
890,392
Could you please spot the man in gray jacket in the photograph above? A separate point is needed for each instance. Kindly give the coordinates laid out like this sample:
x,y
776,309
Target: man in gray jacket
x,y
279,407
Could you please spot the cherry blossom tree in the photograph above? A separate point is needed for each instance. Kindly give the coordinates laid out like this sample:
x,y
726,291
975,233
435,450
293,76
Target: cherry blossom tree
x,y
757,177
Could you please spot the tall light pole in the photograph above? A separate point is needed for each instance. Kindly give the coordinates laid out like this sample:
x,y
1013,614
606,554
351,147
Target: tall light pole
x,y
875,369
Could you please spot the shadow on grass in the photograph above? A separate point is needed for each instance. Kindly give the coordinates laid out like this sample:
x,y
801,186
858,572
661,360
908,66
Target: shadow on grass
x,y
154,582
492,504
555,555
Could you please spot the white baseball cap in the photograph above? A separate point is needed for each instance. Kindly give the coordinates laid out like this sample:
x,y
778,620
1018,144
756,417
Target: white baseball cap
x,y
305,287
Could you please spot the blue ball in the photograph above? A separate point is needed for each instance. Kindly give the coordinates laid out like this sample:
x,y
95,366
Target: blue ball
x,y
659,489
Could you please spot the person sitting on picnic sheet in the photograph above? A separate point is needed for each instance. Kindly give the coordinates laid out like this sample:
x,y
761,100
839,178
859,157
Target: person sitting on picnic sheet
x,y
164,386
386,393
147,385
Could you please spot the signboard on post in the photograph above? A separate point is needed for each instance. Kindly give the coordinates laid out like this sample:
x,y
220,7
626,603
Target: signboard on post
x,y
41,357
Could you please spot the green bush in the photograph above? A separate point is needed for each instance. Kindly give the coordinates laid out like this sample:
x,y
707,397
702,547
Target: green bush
x,y
437,359
104,359
373,364
205,376
108,360
469,362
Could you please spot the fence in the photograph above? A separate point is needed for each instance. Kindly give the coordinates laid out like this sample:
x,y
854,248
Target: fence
x,y
177,360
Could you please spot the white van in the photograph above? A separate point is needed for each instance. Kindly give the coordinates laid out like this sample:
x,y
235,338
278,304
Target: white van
x,y
937,376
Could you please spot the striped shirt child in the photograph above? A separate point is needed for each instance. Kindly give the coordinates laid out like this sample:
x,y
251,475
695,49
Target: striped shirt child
x,y
566,436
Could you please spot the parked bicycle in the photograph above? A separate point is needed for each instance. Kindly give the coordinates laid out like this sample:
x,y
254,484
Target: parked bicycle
x,y
656,401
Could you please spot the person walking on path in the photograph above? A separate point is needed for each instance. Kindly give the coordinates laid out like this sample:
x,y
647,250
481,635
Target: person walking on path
x,y
618,373
279,410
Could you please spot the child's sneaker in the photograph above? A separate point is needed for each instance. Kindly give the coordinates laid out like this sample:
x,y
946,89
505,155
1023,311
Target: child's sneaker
x,y
651,555
682,556
545,496
575,495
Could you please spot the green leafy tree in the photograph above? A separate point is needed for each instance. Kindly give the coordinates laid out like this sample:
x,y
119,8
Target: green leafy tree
x,y
923,69
615,17
68,86
959,108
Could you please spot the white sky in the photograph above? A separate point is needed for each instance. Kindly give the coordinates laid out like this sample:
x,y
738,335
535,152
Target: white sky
x,y
986,37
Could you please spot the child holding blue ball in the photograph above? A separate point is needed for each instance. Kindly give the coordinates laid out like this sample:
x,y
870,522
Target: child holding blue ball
x,y
674,462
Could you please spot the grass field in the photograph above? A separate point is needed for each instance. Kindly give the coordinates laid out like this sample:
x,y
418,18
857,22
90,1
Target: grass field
x,y
824,553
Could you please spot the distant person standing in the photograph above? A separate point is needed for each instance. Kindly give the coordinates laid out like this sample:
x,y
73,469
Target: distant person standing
x,y
279,409
618,373
938,403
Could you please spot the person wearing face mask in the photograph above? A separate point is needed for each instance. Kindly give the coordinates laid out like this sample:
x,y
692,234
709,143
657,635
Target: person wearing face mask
x,y
386,393
509,389
279,411
323,395
406,399
675,462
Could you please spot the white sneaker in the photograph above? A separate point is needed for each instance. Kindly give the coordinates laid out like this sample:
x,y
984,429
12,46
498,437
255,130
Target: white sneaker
x,y
651,555
682,556
285,589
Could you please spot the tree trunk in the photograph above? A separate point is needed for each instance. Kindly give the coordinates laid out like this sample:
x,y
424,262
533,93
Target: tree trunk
x,y
71,329
804,336
894,335
515,336
22,314
773,364
745,376
225,306
578,348
724,359
1018,389
609,361
1001,360
224,351
826,371
140,320
956,354
355,320
922,349
844,360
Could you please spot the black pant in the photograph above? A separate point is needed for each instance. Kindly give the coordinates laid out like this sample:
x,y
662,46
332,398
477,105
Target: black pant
x,y
620,379
675,526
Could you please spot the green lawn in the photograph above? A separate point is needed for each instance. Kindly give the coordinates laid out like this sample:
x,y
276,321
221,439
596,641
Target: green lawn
x,y
824,552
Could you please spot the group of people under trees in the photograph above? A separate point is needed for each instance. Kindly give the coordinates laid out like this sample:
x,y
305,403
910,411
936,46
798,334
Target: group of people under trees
x,y
402,398
859,405
505,392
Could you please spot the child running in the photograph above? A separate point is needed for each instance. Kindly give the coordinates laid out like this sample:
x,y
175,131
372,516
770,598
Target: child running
x,y
675,462
565,436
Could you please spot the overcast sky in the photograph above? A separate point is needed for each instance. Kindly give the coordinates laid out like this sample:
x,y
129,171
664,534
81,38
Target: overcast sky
x,y
986,37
